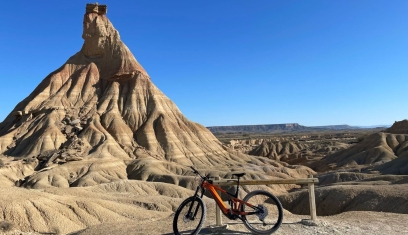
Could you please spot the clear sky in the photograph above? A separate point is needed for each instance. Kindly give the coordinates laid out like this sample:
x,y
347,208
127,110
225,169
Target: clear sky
x,y
232,62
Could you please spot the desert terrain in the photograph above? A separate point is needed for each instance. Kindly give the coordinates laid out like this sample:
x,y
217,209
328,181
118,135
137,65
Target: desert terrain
x,y
97,148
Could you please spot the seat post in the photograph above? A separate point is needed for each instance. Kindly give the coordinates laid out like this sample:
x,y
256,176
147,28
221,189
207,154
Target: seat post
x,y
236,192
238,175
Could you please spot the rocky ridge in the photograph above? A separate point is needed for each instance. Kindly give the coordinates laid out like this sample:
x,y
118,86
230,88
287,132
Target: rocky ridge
x,y
385,152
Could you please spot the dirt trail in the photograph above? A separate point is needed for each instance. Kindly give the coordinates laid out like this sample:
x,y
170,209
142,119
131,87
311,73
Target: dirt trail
x,y
356,222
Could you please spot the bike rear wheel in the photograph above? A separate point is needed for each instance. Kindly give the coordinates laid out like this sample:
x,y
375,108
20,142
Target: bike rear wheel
x,y
190,216
267,212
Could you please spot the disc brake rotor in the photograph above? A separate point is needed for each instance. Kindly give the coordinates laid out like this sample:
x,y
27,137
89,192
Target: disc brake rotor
x,y
262,213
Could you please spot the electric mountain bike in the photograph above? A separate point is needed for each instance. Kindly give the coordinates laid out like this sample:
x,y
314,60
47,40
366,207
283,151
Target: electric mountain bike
x,y
260,211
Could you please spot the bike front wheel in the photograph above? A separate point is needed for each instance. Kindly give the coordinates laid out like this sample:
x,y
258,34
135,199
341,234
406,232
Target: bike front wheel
x,y
266,213
190,216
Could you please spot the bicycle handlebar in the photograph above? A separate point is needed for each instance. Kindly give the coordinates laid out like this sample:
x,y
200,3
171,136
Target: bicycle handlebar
x,y
198,173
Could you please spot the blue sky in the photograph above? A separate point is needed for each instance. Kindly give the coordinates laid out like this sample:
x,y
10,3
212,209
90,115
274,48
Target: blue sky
x,y
233,62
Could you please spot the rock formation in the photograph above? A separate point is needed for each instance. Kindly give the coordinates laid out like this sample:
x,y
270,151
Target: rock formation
x,y
296,152
333,200
65,211
103,96
400,127
101,104
386,152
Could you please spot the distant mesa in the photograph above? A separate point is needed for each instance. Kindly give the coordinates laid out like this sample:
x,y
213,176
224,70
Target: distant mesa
x,y
286,127
258,128
335,127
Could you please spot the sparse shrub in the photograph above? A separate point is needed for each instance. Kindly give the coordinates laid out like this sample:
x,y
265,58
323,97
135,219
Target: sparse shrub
x,y
2,163
6,226
361,138
55,230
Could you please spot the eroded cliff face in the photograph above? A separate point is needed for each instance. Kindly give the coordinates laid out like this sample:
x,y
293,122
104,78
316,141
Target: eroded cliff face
x,y
101,104
116,108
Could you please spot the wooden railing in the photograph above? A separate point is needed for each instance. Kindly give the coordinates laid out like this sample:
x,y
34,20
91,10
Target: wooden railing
x,y
309,181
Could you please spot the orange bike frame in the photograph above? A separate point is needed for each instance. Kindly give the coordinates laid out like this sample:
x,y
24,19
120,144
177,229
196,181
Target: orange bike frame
x,y
236,203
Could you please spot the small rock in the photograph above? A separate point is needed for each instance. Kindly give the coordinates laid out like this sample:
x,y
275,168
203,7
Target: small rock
x,y
74,122
73,158
68,129
309,222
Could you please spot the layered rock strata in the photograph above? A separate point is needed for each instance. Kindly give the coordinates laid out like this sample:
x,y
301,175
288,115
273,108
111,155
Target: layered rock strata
x,y
92,121
385,152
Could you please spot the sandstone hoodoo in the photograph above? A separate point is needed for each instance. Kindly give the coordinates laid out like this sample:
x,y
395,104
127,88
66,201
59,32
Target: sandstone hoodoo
x,y
102,104
103,96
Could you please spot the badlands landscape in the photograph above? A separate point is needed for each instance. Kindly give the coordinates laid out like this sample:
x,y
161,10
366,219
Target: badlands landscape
x,y
97,148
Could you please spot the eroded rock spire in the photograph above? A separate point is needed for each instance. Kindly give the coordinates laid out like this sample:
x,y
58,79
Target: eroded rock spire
x,y
99,118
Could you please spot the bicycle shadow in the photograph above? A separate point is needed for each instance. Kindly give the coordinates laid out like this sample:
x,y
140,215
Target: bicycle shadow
x,y
220,231
224,230
227,230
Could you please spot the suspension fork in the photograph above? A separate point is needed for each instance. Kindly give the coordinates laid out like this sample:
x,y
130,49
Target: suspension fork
x,y
192,203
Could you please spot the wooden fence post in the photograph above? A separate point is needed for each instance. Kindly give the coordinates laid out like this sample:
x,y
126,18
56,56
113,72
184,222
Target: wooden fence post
x,y
218,216
310,181
312,201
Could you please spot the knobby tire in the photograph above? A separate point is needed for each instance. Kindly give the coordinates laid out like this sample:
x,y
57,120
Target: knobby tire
x,y
274,208
181,222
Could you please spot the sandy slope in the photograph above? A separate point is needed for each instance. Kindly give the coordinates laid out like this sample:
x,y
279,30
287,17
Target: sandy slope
x,y
72,209
386,153
331,200
136,207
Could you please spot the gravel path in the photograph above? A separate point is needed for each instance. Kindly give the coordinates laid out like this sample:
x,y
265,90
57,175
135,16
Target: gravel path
x,y
356,222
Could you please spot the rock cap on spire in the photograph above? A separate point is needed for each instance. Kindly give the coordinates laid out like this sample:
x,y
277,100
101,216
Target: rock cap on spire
x,y
96,8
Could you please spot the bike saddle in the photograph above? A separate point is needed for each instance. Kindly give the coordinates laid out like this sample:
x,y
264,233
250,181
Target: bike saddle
x,y
239,174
